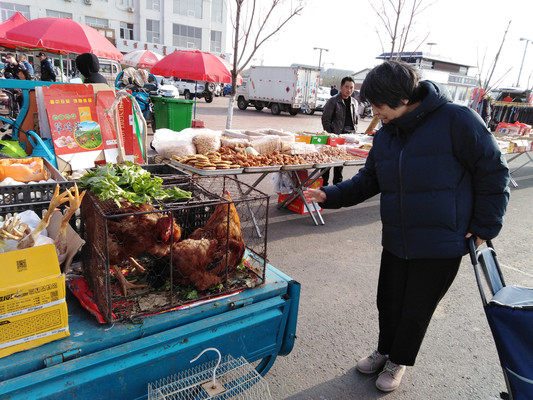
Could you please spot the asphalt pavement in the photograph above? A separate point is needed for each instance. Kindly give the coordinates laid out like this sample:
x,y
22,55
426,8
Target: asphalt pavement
x,y
337,266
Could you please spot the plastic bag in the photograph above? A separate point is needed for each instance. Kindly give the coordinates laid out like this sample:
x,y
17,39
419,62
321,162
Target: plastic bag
x,y
281,182
224,141
168,143
297,148
266,144
232,133
23,169
30,218
281,133
206,140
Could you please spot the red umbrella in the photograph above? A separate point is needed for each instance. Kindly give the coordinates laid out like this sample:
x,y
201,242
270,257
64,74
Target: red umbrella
x,y
195,65
141,58
15,20
63,35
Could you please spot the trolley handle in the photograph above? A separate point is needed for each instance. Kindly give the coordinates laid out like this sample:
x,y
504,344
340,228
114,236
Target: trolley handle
x,y
486,261
472,247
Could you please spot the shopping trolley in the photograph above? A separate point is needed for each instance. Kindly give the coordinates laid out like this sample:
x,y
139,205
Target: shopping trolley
x,y
510,316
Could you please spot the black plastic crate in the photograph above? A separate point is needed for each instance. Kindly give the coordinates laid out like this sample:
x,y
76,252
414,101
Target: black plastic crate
x,y
34,192
163,169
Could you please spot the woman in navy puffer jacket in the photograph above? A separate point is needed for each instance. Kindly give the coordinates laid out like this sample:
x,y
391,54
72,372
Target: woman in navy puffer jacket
x,y
442,179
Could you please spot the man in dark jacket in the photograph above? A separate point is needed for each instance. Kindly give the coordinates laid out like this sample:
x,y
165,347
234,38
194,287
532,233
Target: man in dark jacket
x,y
442,180
340,116
47,69
88,65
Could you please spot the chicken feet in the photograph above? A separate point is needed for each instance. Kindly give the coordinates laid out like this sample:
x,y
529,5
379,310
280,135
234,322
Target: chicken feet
x,y
123,282
61,237
57,200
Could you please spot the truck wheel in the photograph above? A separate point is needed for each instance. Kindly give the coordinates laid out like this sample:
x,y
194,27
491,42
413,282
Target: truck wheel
x,y
275,109
242,103
209,98
309,111
187,95
259,108
294,111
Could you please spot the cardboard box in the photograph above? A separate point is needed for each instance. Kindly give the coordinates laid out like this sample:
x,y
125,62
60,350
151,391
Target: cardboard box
x,y
33,310
302,139
320,139
297,205
506,128
334,142
303,175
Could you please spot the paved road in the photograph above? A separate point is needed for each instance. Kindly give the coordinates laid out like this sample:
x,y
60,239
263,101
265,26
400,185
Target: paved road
x,y
214,117
337,265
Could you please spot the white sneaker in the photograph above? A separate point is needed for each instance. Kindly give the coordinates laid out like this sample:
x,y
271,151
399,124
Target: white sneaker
x,y
371,364
390,378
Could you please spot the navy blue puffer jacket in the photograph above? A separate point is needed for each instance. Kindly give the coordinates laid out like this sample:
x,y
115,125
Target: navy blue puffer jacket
x,y
440,174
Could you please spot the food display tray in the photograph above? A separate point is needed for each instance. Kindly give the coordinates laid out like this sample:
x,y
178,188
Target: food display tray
x,y
331,164
207,172
270,168
354,162
296,167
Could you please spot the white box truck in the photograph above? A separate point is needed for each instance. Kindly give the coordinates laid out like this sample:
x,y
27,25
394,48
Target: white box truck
x,y
289,89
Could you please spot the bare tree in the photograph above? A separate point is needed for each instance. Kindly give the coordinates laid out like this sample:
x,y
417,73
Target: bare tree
x,y
398,18
253,25
487,83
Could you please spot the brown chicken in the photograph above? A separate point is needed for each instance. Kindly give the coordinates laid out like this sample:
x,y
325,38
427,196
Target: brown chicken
x,y
137,234
202,257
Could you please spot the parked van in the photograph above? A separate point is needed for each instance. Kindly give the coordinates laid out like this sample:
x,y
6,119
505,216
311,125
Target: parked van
x,y
109,69
514,95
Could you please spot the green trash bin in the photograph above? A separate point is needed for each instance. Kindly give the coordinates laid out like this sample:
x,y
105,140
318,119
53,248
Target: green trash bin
x,y
172,113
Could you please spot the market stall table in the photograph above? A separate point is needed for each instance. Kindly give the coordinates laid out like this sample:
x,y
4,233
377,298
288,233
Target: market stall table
x,y
514,156
299,184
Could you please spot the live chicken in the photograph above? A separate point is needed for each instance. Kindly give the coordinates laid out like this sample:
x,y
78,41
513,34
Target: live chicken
x,y
202,257
144,232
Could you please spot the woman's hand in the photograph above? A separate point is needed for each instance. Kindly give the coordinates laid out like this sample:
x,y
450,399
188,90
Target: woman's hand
x,y
478,241
314,195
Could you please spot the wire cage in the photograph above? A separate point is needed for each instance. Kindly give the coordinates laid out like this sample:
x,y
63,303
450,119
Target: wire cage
x,y
220,379
179,263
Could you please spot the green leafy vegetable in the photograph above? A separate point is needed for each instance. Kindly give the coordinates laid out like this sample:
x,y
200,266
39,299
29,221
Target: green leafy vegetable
x,y
129,182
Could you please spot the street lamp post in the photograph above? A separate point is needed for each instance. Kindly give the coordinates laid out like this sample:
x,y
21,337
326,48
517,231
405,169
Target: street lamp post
x,y
523,58
320,56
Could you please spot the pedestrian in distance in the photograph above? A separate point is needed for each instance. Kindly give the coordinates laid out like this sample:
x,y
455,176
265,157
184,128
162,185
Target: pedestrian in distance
x,y
442,179
23,60
89,66
12,67
333,91
340,116
48,72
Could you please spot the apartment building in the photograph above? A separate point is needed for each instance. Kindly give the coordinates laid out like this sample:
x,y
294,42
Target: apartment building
x,y
158,25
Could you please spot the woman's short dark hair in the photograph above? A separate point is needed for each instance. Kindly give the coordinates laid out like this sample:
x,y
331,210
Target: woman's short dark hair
x,y
390,83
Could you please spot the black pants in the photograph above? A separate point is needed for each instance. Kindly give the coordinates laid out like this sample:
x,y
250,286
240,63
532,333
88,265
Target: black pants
x,y
408,294
337,176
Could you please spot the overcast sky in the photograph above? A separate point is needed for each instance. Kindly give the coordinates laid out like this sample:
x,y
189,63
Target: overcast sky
x,y
463,30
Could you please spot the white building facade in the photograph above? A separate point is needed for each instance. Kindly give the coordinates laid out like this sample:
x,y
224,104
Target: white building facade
x,y
158,25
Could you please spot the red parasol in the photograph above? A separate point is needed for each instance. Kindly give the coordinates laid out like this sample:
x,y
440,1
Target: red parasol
x,y
63,35
15,20
141,58
195,65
